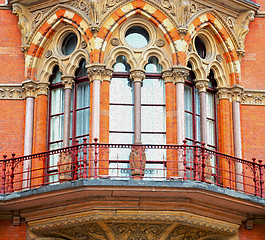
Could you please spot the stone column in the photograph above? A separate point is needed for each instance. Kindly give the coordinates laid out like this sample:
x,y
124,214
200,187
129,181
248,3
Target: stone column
x,y
202,85
29,87
137,76
95,75
67,81
237,92
180,74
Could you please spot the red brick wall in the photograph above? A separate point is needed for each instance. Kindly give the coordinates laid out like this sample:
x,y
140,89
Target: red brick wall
x,y
253,131
9,232
258,233
254,58
10,54
12,119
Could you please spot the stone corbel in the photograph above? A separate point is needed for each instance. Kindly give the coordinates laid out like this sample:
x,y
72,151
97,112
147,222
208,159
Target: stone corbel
x,y
29,87
242,28
137,75
24,24
180,74
237,92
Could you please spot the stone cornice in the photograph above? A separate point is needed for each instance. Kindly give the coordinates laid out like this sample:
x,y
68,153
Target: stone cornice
x,y
11,92
253,97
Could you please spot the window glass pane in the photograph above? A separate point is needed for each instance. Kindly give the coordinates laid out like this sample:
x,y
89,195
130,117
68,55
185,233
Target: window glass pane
x,y
210,105
121,65
82,69
137,37
197,102
57,101
153,91
153,66
121,91
211,132
188,126
188,98
57,75
198,128
56,128
69,44
121,118
153,118
83,95
82,122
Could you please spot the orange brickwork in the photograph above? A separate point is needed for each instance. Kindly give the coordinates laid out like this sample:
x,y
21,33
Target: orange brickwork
x,y
9,232
257,233
254,61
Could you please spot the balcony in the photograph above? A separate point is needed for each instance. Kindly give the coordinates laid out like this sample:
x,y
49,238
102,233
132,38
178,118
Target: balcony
x,y
159,164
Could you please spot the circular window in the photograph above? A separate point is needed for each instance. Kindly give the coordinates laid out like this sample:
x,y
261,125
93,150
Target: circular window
x,y
137,37
69,44
200,47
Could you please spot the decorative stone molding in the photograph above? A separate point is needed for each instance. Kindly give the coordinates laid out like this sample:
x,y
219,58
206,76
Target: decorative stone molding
x,y
242,28
253,97
68,81
168,76
202,84
24,24
137,75
236,92
223,93
183,7
180,74
42,88
11,91
107,74
29,87
96,72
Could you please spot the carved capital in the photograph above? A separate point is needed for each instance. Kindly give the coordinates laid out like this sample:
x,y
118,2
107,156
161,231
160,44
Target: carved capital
x,y
107,75
68,81
42,88
29,87
224,93
202,84
180,74
237,92
96,72
168,76
137,75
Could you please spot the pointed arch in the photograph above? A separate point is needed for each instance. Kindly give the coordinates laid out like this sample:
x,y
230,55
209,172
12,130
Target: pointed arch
x,y
196,64
223,37
219,74
46,30
154,15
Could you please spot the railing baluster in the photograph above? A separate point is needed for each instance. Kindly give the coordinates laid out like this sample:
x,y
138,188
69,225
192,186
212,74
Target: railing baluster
x,y
261,178
76,160
255,177
184,159
85,158
96,159
230,173
3,174
196,173
203,162
12,173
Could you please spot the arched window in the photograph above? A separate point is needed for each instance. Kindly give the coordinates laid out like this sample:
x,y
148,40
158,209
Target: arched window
x,y
192,111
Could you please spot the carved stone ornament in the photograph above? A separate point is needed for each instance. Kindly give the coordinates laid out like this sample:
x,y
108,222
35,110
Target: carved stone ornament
x,y
223,93
15,92
68,81
196,7
29,87
42,88
236,92
168,76
95,72
253,97
24,23
83,45
137,161
160,43
137,75
65,166
115,41
180,74
183,12
48,53
219,58
242,24
202,84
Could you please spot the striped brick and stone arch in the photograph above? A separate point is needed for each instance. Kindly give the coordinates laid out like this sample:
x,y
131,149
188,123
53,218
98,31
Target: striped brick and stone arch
x,y
224,39
46,31
154,15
